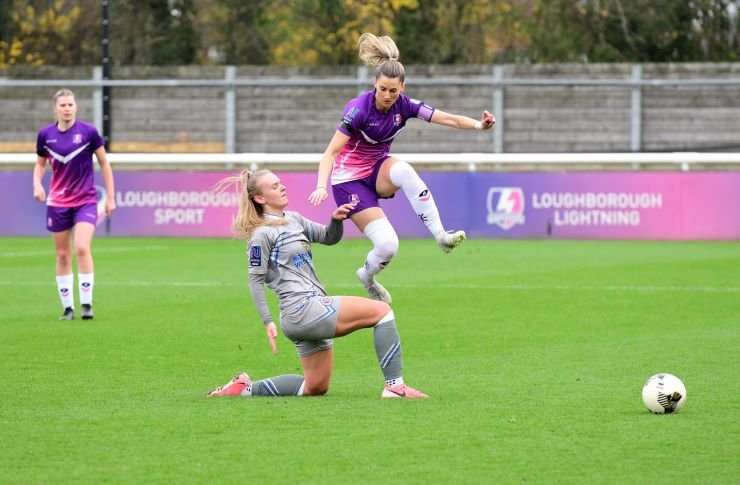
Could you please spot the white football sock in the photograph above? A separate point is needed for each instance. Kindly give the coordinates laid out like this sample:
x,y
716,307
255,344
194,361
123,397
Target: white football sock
x,y
403,175
385,245
65,287
85,281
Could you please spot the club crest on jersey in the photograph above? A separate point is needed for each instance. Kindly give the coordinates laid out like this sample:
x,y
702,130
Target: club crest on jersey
x,y
505,206
255,256
77,138
397,119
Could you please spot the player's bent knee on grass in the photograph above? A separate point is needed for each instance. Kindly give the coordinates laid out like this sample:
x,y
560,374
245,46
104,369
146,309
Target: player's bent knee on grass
x,y
357,313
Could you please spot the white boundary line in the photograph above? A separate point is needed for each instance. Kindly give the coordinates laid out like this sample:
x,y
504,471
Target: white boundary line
x,y
615,288
50,251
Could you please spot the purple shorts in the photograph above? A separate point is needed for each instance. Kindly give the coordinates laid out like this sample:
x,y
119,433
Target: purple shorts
x,y
362,191
60,219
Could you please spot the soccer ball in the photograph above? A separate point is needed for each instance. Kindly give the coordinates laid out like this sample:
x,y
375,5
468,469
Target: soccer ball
x,y
664,393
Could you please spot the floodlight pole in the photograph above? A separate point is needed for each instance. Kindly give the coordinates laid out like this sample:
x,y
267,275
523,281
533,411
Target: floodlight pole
x,y
106,75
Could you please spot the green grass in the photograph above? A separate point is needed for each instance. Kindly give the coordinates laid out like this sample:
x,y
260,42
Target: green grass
x,y
534,354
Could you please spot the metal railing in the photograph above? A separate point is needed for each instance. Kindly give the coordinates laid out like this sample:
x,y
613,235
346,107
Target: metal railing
x,y
361,80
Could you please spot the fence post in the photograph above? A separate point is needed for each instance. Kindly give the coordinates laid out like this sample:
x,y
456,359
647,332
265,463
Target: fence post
x,y
636,109
230,109
97,98
361,79
498,109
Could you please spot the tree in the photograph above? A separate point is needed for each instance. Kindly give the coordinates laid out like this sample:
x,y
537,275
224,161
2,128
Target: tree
x,y
153,32
633,31
49,33
234,31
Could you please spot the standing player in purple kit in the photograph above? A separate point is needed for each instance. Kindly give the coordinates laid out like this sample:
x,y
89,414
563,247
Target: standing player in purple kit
x,y
363,171
68,145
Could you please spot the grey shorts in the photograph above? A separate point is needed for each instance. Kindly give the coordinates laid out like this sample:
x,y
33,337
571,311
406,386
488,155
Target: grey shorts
x,y
313,324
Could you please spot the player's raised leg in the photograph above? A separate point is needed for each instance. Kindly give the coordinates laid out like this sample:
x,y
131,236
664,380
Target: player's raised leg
x,y
402,175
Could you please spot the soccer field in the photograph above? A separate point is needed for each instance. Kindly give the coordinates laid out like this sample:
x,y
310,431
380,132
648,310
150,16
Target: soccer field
x,y
533,353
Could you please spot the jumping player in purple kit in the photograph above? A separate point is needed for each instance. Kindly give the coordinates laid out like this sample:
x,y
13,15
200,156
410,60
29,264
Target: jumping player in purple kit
x,y
280,257
71,205
362,169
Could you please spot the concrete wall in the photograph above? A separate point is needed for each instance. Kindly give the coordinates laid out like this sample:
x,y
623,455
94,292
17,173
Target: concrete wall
x,y
294,119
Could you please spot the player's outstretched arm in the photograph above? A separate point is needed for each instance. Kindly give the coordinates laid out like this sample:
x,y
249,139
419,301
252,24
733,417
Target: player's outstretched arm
x,y
463,122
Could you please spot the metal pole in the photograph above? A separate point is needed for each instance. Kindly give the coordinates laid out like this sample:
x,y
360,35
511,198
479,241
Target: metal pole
x,y
362,79
98,98
230,106
636,109
106,75
498,109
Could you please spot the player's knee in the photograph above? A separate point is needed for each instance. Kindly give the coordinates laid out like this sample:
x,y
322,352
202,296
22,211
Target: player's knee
x,y
403,174
82,252
401,170
315,388
64,257
387,249
382,311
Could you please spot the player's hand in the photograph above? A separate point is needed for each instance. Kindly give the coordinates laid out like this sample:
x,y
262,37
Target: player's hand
x,y
39,193
342,211
318,196
271,330
110,206
487,120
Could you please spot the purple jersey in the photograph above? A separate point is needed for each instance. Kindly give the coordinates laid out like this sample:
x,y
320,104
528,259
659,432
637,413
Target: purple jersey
x,y
371,133
70,154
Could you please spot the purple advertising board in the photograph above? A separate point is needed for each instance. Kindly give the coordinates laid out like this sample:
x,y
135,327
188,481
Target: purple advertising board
x,y
594,205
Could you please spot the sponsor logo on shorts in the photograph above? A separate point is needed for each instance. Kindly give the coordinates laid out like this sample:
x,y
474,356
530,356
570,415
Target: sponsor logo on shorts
x,y
354,199
255,256
505,206
326,300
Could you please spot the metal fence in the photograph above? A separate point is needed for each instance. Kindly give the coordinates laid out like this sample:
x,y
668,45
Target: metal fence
x,y
495,80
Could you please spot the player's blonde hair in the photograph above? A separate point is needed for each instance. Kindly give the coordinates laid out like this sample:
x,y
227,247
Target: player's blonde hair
x,y
382,53
59,94
63,92
251,214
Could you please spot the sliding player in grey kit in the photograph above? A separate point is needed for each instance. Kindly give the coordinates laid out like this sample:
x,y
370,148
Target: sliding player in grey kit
x,y
279,254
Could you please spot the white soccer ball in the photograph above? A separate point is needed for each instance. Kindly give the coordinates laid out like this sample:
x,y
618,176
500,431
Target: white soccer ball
x,y
664,393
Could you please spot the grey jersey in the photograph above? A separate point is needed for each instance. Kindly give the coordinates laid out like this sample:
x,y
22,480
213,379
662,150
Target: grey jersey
x,y
280,257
